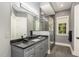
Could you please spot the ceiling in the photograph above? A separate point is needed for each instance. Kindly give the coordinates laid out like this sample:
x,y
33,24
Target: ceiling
x,y
32,7
46,8
59,6
49,8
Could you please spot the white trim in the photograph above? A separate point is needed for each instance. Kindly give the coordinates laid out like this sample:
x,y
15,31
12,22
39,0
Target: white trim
x,y
49,51
68,45
62,44
72,50
51,42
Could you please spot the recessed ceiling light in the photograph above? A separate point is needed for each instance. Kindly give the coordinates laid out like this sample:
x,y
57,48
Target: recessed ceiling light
x,y
61,5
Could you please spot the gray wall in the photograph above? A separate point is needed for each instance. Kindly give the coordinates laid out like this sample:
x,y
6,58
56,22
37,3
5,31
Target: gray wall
x,y
5,29
62,39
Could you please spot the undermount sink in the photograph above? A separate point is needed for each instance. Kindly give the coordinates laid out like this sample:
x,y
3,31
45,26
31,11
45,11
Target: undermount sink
x,y
36,40
39,37
24,41
22,44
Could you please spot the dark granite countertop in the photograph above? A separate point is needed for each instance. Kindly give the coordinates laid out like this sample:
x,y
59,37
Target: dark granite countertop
x,y
28,41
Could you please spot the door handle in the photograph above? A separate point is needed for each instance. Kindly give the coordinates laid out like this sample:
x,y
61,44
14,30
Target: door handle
x,y
77,37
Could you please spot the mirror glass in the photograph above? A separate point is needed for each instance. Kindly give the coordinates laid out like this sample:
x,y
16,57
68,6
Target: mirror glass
x,y
18,24
22,23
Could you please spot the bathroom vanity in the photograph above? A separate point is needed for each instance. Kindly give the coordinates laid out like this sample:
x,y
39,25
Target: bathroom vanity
x,y
30,47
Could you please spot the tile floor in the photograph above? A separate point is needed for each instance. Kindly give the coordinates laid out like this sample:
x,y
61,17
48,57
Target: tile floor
x,y
60,51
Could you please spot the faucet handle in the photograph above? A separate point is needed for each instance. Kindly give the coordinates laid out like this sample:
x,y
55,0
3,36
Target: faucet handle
x,y
22,37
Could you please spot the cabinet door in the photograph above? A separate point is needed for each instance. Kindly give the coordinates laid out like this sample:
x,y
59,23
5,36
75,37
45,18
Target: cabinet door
x,y
44,48
16,52
29,53
38,50
46,45
42,53
41,48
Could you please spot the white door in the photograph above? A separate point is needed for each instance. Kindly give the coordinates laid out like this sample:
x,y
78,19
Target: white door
x,y
76,29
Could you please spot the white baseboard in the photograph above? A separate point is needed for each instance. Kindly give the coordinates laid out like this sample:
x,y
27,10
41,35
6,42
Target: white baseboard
x,y
68,45
49,51
72,51
51,42
62,44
